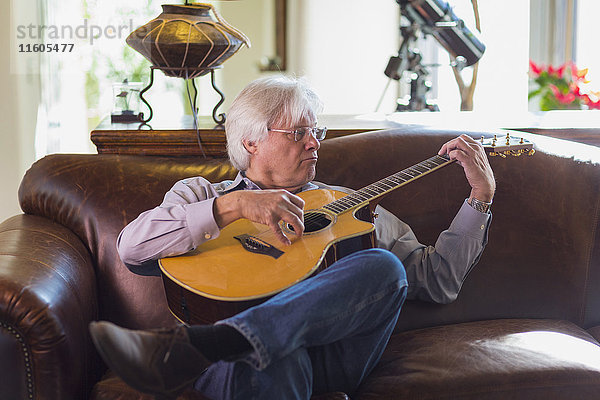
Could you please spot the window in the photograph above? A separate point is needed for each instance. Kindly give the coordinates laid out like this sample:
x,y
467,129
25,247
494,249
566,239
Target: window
x,y
76,86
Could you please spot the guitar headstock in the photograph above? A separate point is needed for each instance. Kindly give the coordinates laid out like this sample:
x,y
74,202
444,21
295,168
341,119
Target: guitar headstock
x,y
506,146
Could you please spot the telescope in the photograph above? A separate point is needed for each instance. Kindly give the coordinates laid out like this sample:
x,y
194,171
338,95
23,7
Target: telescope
x,y
436,18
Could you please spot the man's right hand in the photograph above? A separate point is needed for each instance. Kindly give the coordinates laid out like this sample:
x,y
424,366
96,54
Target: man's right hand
x,y
267,207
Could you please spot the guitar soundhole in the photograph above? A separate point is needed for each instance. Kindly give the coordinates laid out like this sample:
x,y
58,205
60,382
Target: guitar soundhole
x,y
314,221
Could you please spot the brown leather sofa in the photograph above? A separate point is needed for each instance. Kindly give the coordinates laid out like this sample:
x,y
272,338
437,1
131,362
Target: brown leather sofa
x,y
526,324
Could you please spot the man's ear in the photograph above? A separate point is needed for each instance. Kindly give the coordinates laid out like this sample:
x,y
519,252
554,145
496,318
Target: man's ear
x,y
250,146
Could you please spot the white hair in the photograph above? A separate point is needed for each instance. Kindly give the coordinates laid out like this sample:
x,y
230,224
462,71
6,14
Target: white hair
x,y
274,101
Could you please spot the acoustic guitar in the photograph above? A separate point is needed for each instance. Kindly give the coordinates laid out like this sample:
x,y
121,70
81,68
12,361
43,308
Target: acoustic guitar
x,y
246,264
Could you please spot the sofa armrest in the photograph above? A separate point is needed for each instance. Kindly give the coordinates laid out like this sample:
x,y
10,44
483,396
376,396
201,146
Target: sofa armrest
x,y
47,298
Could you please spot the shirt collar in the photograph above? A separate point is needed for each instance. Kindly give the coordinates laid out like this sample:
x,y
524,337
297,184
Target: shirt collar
x,y
241,182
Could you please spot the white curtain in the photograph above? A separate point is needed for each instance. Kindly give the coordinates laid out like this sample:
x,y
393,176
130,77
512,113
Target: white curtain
x,y
553,31
62,115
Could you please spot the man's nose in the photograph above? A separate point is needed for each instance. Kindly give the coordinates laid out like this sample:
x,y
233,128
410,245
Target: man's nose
x,y
312,142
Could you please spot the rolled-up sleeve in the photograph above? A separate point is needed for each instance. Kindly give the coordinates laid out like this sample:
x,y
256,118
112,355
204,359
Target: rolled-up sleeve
x,y
179,224
436,273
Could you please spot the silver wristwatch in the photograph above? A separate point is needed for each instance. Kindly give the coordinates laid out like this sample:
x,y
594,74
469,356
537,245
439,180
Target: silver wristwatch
x,y
480,206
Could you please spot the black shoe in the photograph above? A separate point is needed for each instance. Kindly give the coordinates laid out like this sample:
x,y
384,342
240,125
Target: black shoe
x,y
159,362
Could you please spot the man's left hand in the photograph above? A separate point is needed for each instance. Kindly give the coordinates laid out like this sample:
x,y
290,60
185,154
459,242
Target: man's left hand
x,y
470,154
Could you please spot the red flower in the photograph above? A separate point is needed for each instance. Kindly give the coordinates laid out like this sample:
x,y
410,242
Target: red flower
x,y
592,105
562,87
537,70
567,98
556,71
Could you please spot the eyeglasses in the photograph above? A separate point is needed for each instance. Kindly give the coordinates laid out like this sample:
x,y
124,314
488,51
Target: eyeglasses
x,y
299,133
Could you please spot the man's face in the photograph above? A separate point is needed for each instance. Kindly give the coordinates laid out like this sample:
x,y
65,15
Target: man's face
x,y
281,162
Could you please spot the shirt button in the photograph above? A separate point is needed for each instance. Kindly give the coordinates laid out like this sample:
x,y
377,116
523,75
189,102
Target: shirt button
x,y
207,235
482,227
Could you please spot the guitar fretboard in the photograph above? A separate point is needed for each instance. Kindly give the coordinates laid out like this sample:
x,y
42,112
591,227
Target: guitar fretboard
x,y
361,197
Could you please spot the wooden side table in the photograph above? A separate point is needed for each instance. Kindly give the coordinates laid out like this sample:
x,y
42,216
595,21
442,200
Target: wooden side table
x,y
179,138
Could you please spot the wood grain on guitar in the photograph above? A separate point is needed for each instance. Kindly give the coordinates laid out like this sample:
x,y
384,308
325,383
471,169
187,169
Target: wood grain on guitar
x,y
246,264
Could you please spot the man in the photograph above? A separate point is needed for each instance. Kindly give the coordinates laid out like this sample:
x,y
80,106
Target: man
x,y
323,334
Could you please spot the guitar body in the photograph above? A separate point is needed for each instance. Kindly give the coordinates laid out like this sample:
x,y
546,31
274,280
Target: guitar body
x,y
222,277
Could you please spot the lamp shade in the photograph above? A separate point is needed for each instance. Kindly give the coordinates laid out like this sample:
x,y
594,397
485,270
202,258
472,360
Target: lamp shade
x,y
186,41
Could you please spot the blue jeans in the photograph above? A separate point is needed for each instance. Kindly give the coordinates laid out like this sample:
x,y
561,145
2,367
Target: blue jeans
x,y
323,334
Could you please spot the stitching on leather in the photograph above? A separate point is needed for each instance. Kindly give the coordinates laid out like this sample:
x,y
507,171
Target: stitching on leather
x,y
26,357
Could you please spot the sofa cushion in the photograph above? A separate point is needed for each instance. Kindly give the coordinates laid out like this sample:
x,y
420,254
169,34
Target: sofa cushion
x,y
496,359
111,387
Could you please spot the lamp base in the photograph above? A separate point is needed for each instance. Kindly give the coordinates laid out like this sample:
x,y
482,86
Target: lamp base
x,y
220,120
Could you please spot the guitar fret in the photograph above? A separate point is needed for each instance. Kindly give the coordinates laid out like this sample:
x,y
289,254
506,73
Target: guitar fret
x,y
397,179
380,185
370,191
361,196
348,202
339,204
387,184
334,207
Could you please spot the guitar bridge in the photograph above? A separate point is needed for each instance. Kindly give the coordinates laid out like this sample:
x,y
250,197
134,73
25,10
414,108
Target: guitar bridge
x,y
258,246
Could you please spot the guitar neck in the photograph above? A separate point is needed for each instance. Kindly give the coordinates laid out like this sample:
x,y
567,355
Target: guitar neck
x,y
362,197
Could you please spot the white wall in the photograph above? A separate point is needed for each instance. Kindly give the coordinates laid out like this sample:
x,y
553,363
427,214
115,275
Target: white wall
x,y
502,78
341,47
588,55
